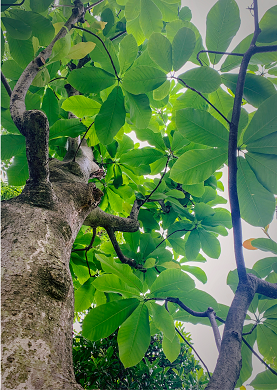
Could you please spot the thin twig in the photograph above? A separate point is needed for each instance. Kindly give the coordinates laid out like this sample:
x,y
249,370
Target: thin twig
x,y
180,230
216,52
57,78
189,344
77,150
118,35
257,356
253,328
107,51
93,5
86,249
14,5
200,94
5,83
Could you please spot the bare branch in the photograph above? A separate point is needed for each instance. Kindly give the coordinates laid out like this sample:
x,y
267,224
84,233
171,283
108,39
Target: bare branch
x,y
121,256
216,52
89,7
267,289
212,318
6,84
99,218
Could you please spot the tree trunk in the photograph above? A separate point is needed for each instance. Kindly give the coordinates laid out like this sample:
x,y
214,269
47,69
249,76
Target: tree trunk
x,y
37,289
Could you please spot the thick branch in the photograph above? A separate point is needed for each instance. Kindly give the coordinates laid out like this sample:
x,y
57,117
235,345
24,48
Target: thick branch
x,y
6,84
99,218
17,105
267,289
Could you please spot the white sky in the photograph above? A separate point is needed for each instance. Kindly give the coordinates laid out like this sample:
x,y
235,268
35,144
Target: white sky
x,y
217,270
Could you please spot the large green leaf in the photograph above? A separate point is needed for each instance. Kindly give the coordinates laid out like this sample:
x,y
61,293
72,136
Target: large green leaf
x,y
11,145
268,26
169,280
39,6
265,380
203,79
201,127
81,106
160,51
220,217
134,337
223,22
264,266
152,138
196,271
83,296
266,145
197,165
103,320
150,18
163,320
267,343
142,156
90,80
223,101
192,245
265,169
66,128
133,27
18,171
17,28
209,244
197,300
123,271
50,106
111,116
140,111
11,70
132,9
265,244
113,284
183,46
256,88
127,52
246,353
171,348
21,51
256,203
169,10
142,79
263,123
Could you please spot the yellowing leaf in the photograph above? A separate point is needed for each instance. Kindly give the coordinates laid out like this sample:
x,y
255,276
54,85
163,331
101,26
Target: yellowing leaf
x,y
242,388
247,244
171,264
99,25
80,50
58,26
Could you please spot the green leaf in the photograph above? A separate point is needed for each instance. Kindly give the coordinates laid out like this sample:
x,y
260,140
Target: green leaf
x,y
50,106
140,111
113,284
246,354
263,123
133,27
162,92
132,240
183,46
123,271
267,343
169,280
265,380
163,320
201,127
268,26
18,171
111,116
195,189
203,79
21,51
127,52
83,296
256,88
144,156
265,169
223,22
171,348
132,9
203,210
198,300
160,51
196,166
256,203
81,106
152,138
223,101
66,128
185,14
196,271
80,50
169,10
264,266
90,80
142,79
190,99
39,6
150,18
103,320
266,145
209,244
17,28
220,217
265,244
134,337
11,145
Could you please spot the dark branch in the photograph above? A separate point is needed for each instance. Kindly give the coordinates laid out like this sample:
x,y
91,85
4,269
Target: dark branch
x,y
14,5
264,49
267,289
216,52
6,84
120,255
99,218
107,51
253,328
200,94
93,5
118,35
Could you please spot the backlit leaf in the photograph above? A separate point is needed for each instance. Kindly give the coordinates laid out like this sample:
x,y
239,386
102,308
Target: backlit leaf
x,y
203,79
183,45
142,79
81,106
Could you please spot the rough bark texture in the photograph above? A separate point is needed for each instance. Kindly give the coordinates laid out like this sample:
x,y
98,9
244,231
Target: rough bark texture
x,y
37,290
